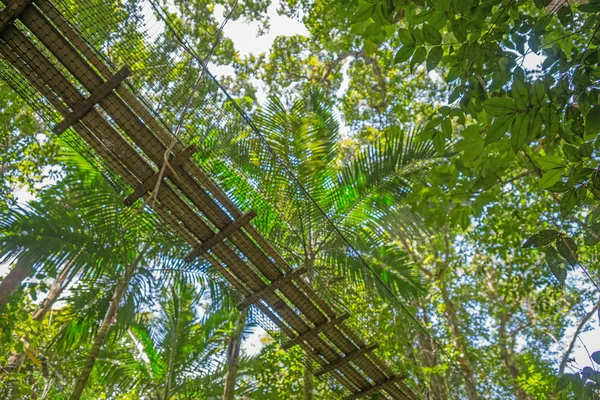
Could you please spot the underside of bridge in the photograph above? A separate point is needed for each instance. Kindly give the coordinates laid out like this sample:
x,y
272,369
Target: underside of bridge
x,y
93,88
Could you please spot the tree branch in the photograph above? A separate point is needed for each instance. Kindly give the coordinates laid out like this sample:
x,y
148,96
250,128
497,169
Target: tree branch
x,y
580,327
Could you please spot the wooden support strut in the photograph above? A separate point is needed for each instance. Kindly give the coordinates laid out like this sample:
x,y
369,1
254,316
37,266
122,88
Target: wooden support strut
x,y
315,331
277,284
346,359
13,11
222,235
96,97
376,388
150,183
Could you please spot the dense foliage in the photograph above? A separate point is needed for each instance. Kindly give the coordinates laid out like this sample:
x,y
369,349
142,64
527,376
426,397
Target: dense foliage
x,y
467,175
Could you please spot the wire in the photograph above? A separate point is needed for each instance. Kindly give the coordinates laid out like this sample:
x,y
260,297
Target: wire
x,y
295,179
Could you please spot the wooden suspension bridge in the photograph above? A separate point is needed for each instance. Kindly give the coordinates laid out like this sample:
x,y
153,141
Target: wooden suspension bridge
x,y
43,47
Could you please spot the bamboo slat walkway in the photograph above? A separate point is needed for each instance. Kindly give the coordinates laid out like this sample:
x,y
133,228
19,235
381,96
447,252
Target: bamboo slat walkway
x,y
48,52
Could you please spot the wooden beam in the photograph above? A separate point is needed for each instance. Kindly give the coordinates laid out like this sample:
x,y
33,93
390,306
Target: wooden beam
x,y
315,331
273,286
13,10
346,359
374,389
150,183
96,97
222,235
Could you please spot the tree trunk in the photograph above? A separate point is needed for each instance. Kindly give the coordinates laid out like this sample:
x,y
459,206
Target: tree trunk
x,y
308,380
233,356
11,282
509,362
122,284
460,343
429,353
59,285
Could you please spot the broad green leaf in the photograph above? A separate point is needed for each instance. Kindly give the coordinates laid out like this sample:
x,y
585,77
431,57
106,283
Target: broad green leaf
x,y
571,153
404,54
555,263
537,93
520,131
434,57
418,57
432,35
447,128
592,121
586,150
439,142
406,37
364,13
550,178
520,94
550,162
459,29
568,201
589,8
567,248
498,128
562,383
498,106
542,238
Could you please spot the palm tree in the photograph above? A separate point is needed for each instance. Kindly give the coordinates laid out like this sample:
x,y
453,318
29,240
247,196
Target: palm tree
x,y
172,352
307,184
82,225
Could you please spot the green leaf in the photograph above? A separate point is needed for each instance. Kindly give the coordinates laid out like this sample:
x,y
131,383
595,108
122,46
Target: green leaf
x,y
498,106
550,162
439,142
550,178
498,128
537,93
586,150
555,263
459,29
520,94
520,131
567,248
432,35
589,8
418,57
542,238
592,121
434,57
364,13
406,37
568,201
404,54
571,153
562,382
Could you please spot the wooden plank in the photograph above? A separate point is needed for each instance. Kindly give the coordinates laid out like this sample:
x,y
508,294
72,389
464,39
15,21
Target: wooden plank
x,y
346,359
149,184
96,97
272,298
13,11
222,235
315,331
374,389
255,297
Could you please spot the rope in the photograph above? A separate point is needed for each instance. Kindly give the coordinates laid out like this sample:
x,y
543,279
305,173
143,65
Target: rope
x,y
204,65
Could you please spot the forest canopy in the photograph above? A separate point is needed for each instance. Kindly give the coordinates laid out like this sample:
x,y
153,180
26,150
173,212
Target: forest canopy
x,y
455,144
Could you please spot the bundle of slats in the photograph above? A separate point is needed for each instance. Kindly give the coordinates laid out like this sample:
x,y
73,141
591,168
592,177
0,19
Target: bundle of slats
x,y
46,50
